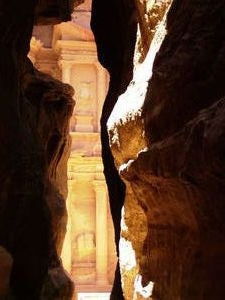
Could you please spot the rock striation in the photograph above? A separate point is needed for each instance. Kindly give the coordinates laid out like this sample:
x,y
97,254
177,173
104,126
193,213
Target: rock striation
x,y
165,128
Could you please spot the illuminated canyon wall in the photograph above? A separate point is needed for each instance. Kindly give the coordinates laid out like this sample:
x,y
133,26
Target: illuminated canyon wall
x,y
165,120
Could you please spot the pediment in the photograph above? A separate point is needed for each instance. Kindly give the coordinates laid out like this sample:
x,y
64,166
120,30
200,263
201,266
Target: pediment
x,y
70,31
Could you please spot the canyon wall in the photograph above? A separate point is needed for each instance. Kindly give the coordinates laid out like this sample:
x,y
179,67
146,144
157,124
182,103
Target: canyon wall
x,y
34,115
163,145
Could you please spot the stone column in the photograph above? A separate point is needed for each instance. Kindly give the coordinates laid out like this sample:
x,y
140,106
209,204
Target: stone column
x,y
66,67
101,90
101,233
66,254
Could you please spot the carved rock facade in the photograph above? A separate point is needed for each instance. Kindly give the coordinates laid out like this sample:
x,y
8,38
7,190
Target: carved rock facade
x,y
68,52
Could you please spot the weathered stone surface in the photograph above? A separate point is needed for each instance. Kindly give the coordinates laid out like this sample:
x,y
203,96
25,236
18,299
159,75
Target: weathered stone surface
x,y
150,14
51,116
188,70
166,135
58,285
34,116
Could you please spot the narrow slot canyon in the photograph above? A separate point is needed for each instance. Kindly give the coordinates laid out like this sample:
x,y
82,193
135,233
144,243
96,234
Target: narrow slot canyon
x,y
112,179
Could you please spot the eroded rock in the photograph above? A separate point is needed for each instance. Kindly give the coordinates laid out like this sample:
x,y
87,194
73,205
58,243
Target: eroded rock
x,y
165,134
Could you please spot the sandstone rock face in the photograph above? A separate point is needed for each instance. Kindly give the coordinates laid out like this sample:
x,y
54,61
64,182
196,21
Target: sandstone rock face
x,y
166,132
34,115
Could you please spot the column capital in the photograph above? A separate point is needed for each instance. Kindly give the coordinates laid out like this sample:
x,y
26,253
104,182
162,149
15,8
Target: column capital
x,y
101,233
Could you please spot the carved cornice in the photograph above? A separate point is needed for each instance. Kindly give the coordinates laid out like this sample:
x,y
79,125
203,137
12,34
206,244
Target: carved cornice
x,y
72,32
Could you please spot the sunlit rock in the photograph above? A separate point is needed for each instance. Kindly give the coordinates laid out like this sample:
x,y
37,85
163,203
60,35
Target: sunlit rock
x,y
165,134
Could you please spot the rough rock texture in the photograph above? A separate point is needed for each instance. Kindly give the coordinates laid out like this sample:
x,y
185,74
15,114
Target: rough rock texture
x,y
166,134
34,116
